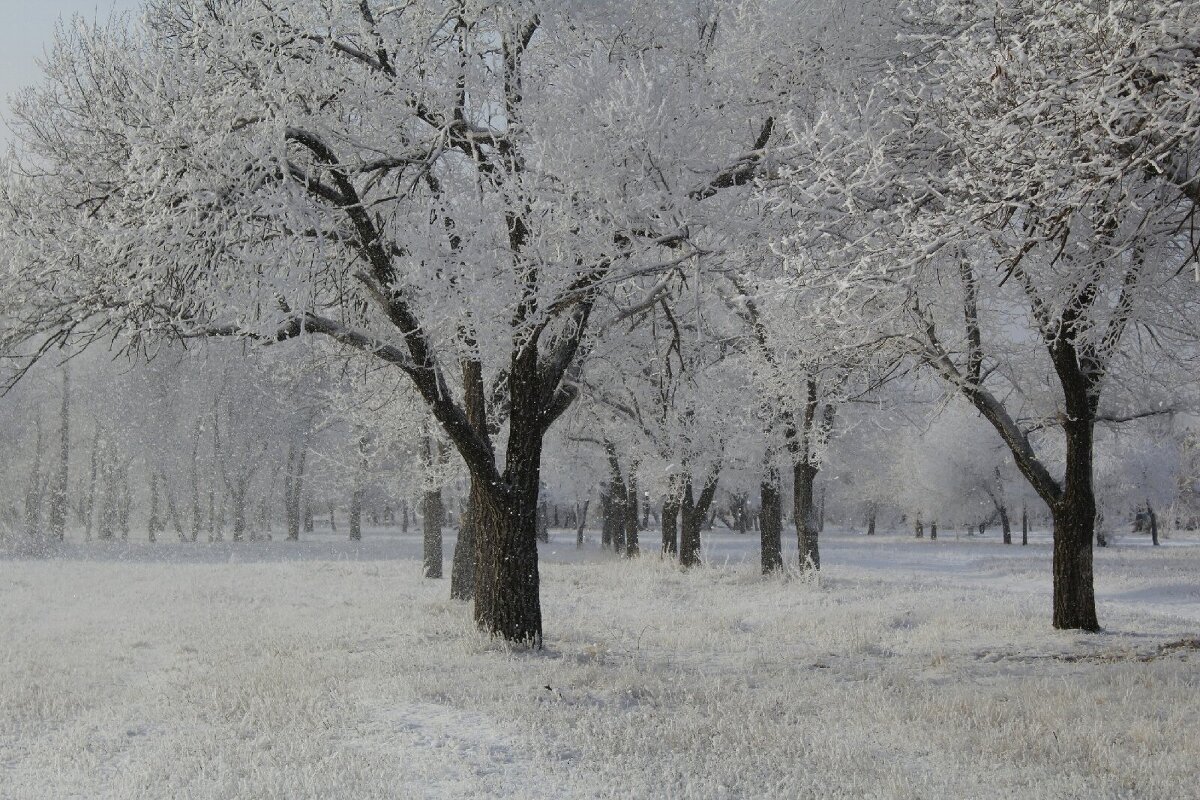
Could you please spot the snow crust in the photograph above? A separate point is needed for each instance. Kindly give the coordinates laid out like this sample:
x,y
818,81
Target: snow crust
x,y
910,669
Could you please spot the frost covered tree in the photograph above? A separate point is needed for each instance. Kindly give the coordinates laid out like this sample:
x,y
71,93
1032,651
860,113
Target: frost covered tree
x,y
1015,204
400,178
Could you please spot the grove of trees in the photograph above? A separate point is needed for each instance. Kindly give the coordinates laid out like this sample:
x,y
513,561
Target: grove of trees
x,y
910,259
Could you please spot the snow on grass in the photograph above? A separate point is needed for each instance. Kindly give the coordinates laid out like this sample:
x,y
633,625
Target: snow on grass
x,y
321,669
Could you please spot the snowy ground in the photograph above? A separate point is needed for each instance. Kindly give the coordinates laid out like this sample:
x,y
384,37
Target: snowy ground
x,y
913,669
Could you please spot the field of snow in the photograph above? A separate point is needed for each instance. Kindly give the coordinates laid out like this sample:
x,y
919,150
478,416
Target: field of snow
x,y
911,669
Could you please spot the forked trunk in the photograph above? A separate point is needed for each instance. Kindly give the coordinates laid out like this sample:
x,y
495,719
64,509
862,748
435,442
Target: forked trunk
x,y
771,523
581,522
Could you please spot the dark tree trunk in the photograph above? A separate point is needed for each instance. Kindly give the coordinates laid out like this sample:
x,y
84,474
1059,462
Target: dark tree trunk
x,y
670,525
433,515
919,527
692,513
1074,526
462,565
771,522
293,488
616,512
359,490
606,511
1153,524
689,540
933,531
871,522
1024,524
804,474
581,523
1005,526
631,516
506,557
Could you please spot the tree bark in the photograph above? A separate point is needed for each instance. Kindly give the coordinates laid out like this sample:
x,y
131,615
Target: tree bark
x,y
771,522
581,522
237,500
1153,524
670,526
631,514
506,558
58,489
618,501
692,512
1024,524
154,524
933,531
433,514
1074,526
804,474
1005,526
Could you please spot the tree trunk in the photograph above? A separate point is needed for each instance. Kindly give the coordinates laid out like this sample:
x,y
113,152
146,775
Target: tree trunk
x,y
58,489
1153,524
359,490
153,525
692,513
919,527
237,497
670,526
89,505
581,522
1024,524
462,565
1005,526
433,515
543,522
933,531
356,497
618,498
771,522
689,541
631,516
871,522
804,475
34,494
506,557
1074,526
293,487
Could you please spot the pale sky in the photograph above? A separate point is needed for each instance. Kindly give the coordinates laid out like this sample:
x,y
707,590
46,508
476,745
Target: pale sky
x,y
28,26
